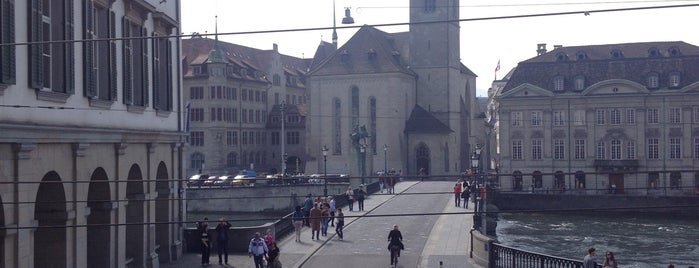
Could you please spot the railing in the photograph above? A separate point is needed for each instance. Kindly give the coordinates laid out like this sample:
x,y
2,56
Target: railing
x,y
502,256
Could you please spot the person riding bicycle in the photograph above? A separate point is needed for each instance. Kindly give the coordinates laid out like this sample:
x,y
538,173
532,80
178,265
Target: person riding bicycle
x,y
395,238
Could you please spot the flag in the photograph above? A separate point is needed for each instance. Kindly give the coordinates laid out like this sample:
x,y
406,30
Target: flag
x,y
186,122
497,68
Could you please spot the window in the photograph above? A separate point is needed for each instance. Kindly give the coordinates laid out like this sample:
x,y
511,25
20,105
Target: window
x,y
652,116
675,148
558,118
244,94
196,115
652,81
7,35
51,65
579,149
355,106
292,137
675,115
600,116
615,150
601,153
212,115
536,118
516,119
197,161
537,177
696,148
162,76
579,117
516,149
274,138
244,116
558,83
653,179
430,6
653,148
630,150
559,149
537,149
232,138
674,80
196,93
631,116
135,63
100,66
258,116
372,125
196,138
675,180
244,138
615,117
231,160
276,80
696,115
579,83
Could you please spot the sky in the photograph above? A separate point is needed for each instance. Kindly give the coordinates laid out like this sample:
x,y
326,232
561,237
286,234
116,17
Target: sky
x,y
484,43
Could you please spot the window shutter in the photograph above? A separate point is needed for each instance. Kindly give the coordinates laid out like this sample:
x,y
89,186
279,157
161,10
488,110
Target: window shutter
x,y
168,74
146,82
36,62
89,47
156,72
112,56
7,53
128,88
68,46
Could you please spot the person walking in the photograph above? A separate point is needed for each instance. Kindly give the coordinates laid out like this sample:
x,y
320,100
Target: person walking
x,y
203,229
360,198
268,238
340,224
457,194
350,198
325,217
314,217
257,249
589,260
392,184
395,238
297,220
332,211
222,239
307,205
609,260
465,194
273,256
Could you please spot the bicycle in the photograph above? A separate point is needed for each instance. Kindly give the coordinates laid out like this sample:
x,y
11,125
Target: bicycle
x,y
395,252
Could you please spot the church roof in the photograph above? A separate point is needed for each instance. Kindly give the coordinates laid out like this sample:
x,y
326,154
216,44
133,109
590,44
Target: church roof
x,y
368,51
597,63
421,121
323,51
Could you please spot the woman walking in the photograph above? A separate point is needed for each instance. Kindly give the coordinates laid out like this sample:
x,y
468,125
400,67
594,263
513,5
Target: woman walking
x,y
350,197
340,223
297,221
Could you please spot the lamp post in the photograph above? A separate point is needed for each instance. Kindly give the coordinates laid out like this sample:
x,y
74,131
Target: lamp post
x,y
385,166
325,170
282,138
362,150
475,163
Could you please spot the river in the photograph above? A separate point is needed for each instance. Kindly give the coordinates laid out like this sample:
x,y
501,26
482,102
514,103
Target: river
x,y
637,240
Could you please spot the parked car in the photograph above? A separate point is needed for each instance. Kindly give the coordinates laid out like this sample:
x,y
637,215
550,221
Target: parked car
x,y
315,179
210,181
274,179
224,180
244,178
196,180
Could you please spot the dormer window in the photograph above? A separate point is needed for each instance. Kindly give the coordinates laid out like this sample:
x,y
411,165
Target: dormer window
x,y
581,55
276,80
653,52
617,54
243,72
652,81
196,70
674,80
579,83
371,54
561,56
674,52
558,83
344,56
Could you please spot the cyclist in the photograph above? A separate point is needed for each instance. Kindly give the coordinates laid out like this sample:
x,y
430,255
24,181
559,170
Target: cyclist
x,y
395,238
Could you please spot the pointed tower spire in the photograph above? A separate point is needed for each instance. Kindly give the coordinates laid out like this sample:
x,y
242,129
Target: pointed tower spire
x,y
334,27
215,55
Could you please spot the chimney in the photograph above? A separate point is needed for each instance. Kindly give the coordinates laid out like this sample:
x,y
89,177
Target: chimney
x,y
540,49
557,47
275,47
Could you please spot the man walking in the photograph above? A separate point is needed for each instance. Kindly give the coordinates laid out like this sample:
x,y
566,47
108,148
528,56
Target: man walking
x,y
222,239
307,205
258,249
589,260
332,211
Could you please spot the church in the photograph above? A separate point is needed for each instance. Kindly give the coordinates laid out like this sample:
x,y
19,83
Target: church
x,y
397,101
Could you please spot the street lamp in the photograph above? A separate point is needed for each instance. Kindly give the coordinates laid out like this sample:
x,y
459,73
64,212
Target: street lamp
x,y
475,163
385,167
346,20
362,149
325,170
282,139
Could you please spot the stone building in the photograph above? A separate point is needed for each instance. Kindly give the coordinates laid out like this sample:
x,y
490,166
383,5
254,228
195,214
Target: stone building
x,y
235,96
617,118
407,92
90,133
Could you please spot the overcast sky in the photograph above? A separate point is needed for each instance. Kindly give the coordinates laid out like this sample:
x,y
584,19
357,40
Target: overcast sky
x,y
483,43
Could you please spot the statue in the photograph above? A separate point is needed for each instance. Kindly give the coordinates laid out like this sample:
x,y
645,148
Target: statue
x,y
359,134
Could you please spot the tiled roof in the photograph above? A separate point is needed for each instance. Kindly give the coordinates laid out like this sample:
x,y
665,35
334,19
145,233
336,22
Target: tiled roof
x,y
596,63
421,121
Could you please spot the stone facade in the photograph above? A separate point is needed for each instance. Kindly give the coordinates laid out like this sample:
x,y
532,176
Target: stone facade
x,y
602,118
90,135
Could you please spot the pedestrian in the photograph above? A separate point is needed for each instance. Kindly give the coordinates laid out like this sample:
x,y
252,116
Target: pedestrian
x,y
257,249
297,219
457,194
325,217
203,229
392,184
340,223
314,217
222,239
332,211
609,260
307,205
589,260
350,198
268,238
465,195
381,181
273,256
360,198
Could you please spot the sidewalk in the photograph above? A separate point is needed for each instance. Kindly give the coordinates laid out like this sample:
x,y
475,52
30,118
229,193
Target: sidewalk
x,y
446,239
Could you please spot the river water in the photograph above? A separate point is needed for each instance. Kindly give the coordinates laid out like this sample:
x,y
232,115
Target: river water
x,y
637,240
